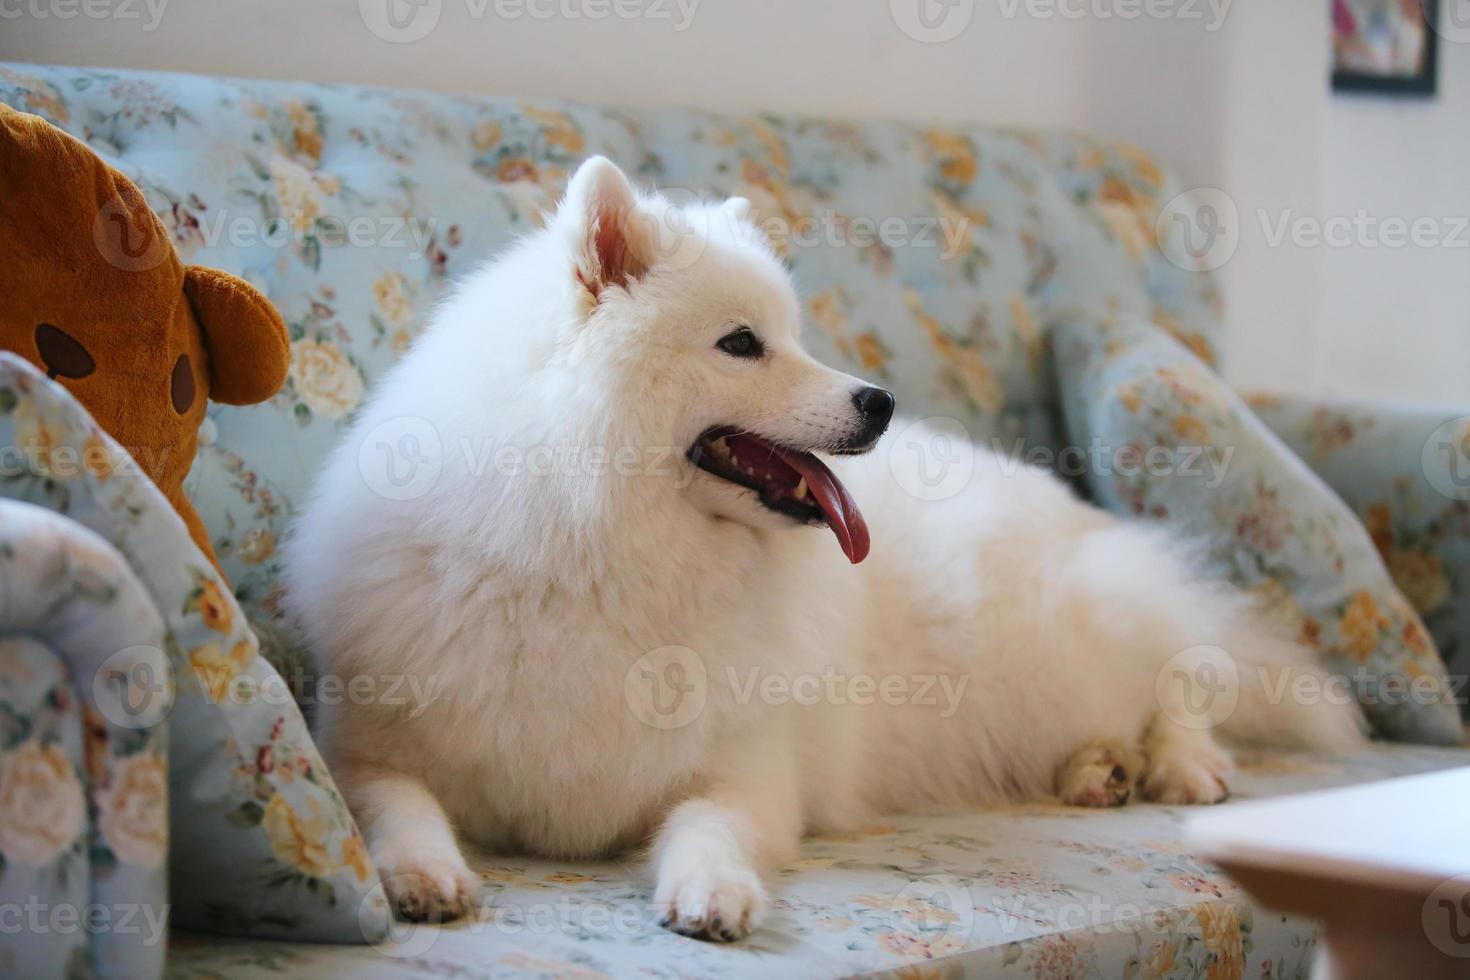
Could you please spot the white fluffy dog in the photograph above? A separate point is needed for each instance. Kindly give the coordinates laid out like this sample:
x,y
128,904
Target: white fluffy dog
x,y
602,562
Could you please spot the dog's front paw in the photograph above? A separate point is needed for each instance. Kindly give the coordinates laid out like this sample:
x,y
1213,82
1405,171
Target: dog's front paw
x,y
1179,778
719,903
429,888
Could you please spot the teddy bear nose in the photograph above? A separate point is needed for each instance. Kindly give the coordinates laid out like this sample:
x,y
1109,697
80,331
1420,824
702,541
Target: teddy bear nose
x,y
63,355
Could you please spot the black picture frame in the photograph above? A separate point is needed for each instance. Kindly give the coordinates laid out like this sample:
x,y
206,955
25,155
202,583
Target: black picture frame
x,y
1423,85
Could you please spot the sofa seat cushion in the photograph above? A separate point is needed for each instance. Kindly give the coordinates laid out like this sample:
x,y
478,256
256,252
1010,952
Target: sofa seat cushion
x,y
1036,891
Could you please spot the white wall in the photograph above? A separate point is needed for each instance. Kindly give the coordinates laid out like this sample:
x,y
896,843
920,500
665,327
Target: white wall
x,y
1396,321
1244,107
839,56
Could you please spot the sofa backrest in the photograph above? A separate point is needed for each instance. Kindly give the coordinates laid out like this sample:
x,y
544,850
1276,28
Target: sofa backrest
x,y
931,259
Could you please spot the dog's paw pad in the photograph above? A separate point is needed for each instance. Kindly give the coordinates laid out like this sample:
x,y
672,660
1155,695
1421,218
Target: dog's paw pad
x,y
430,890
719,904
1102,774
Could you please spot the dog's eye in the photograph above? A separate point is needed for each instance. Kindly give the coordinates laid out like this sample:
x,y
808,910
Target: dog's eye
x,y
742,343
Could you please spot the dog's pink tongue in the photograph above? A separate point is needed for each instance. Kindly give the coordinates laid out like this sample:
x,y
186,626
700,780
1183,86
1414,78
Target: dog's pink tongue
x,y
842,513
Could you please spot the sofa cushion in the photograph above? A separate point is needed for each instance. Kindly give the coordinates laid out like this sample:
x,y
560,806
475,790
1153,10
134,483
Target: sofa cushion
x,y
260,840
83,803
1035,891
1402,469
928,257
1164,438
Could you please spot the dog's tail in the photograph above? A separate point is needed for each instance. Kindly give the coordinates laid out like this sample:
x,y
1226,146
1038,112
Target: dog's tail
x,y
1270,689
1283,697
1219,663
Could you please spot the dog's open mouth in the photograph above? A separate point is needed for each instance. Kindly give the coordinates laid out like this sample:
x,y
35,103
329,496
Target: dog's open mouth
x,y
788,481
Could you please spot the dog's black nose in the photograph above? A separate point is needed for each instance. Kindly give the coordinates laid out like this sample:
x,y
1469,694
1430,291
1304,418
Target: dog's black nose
x,y
876,406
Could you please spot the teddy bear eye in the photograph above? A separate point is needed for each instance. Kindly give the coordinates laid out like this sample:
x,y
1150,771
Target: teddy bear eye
x,y
181,385
63,355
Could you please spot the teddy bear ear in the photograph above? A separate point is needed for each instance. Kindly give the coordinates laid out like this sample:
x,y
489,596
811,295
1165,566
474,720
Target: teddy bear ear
x,y
249,352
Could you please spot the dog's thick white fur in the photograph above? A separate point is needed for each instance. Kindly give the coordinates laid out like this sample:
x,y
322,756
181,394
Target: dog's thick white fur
x,y
1021,632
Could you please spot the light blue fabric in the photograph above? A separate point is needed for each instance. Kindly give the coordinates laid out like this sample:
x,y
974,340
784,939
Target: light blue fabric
x,y
1036,892
1179,446
83,806
997,231
260,841
1405,470
354,210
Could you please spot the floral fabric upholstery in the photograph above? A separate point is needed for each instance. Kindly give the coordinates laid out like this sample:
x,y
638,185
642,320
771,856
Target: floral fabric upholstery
x,y
353,209
1405,470
1181,447
83,767
1037,892
259,841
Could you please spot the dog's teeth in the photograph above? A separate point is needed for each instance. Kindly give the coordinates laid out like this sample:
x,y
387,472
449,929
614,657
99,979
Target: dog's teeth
x,y
719,449
801,489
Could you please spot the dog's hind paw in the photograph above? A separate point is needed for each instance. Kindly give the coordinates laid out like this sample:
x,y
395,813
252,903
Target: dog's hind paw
x,y
1186,767
1100,774
1179,779
718,904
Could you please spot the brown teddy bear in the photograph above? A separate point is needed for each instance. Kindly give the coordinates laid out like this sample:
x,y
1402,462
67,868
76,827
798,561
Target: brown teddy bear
x,y
94,294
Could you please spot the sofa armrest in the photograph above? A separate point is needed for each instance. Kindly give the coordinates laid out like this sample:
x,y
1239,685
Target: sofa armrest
x,y
1405,469
84,691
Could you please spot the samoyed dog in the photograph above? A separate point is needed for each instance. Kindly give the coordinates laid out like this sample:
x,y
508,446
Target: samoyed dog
x,y
606,554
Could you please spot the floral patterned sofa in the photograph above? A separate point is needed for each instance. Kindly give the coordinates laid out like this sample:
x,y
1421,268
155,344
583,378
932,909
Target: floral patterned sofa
x,y
354,209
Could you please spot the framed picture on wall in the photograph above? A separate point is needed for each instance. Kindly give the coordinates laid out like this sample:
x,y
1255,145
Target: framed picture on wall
x,y
1387,46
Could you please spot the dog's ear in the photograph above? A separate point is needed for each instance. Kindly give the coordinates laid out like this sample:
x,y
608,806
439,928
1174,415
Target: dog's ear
x,y
610,247
739,208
